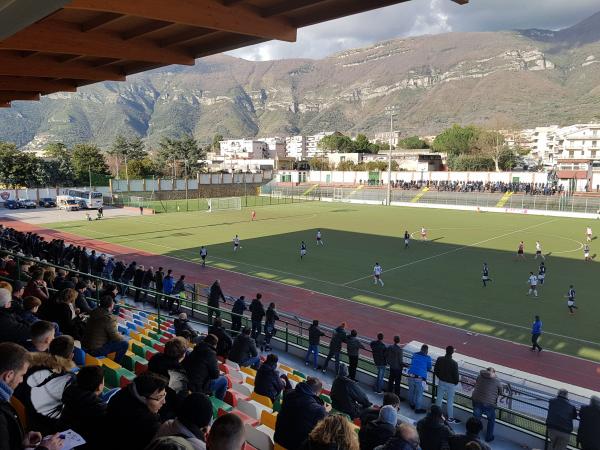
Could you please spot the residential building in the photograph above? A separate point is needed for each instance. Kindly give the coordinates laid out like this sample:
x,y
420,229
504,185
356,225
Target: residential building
x,y
384,137
295,147
312,144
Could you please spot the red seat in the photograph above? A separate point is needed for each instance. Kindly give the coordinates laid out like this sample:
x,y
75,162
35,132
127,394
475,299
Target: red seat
x,y
223,368
232,397
246,419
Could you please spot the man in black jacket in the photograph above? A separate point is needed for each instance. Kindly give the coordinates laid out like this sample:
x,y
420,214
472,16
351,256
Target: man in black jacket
x,y
257,312
394,358
378,431
589,424
353,347
559,421
474,428
237,311
301,410
314,339
446,370
335,347
158,285
378,350
202,369
14,363
269,382
215,294
243,351
347,396
434,433
225,341
12,329
138,278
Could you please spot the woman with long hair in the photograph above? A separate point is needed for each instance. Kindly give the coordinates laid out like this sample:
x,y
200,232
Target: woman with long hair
x,y
334,432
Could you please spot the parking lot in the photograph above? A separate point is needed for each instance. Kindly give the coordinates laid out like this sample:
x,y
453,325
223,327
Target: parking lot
x,y
50,215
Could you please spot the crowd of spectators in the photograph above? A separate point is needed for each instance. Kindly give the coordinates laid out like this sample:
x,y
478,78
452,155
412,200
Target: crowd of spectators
x,y
480,186
41,323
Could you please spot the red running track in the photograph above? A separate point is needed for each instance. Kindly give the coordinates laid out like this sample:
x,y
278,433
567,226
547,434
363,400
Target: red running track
x,y
369,320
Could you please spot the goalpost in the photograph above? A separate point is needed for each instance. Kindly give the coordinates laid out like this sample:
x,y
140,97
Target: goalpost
x,y
224,203
338,194
138,201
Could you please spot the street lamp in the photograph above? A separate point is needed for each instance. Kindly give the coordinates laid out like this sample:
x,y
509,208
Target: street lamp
x,y
391,110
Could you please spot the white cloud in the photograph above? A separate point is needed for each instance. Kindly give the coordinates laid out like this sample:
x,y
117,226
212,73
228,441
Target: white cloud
x,y
417,17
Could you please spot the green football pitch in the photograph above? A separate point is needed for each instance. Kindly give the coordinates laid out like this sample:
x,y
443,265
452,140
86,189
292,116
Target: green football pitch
x,y
438,279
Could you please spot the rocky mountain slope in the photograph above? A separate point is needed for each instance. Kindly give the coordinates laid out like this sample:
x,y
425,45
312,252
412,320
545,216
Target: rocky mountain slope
x,y
535,77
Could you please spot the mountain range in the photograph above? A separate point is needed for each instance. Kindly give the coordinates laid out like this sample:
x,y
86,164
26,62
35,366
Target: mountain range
x,y
534,77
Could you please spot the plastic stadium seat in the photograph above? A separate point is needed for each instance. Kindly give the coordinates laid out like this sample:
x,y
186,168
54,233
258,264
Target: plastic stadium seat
x,y
219,404
252,408
299,374
259,437
79,356
223,368
277,405
244,417
262,399
232,364
286,368
135,363
92,360
268,419
250,381
242,388
326,398
296,378
248,447
232,397
249,370
279,447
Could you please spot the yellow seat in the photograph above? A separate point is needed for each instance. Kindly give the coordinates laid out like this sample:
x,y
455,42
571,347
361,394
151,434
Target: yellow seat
x,y
262,399
249,371
110,363
268,419
279,447
250,381
295,378
286,368
135,335
92,360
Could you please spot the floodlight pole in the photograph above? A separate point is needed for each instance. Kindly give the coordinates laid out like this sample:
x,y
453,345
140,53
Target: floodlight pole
x,y
391,110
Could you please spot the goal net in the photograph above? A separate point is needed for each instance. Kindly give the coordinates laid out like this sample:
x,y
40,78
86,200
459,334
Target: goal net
x,y
277,194
137,201
224,203
338,194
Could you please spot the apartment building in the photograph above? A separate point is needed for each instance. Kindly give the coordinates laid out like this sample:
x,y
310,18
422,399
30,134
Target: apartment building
x,y
312,143
295,147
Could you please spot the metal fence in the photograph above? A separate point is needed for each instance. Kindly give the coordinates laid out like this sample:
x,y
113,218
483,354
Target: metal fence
x,y
523,405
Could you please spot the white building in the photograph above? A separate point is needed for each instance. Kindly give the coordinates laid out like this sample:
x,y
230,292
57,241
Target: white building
x,y
312,144
276,146
268,148
581,143
295,147
384,137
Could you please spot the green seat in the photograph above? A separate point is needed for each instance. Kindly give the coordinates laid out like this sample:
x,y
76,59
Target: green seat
x,y
300,374
111,377
277,404
326,398
219,404
135,363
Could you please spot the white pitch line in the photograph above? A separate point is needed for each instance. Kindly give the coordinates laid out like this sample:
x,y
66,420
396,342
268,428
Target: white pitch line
x,y
454,250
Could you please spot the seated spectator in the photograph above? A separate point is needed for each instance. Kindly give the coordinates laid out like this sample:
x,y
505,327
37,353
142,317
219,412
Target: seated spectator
x,y
14,363
589,424
243,351
225,341
202,369
347,396
183,328
31,305
301,410
559,421
170,443
45,382
406,438
474,428
378,431
417,373
36,287
132,414
63,312
227,433
194,416
12,329
434,433
81,301
42,334
372,413
269,382
333,432
18,291
101,336
83,409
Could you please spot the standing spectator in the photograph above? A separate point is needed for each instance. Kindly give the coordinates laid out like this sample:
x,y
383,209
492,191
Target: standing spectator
x,y
101,336
257,312
353,347
446,370
127,276
434,433
301,410
168,285
406,438
314,339
109,268
536,332
417,373
269,382
226,433
589,424
138,277
132,413
14,362
178,293
158,285
12,329
395,359
378,431
270,318
474,428
100,265
485,395
333,432
347,396
243,351
83,409
237,311
225,341
202,369
147,282
215,294
335,347
117,274
559,421
378,349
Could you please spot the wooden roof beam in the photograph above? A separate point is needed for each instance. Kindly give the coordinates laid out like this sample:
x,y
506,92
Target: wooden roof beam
x,y
211,14
145,29
186,37
35,84
99,21
46,67
67,38
9,96
289,6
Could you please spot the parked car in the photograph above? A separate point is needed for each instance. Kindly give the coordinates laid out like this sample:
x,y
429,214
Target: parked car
x,y
68,205
12,204
27,204
47,203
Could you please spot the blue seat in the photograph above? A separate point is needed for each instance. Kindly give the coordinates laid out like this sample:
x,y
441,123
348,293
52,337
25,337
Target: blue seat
x,y
79,356
131,326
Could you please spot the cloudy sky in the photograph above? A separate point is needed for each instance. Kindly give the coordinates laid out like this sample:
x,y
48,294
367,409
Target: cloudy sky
x,y
418,17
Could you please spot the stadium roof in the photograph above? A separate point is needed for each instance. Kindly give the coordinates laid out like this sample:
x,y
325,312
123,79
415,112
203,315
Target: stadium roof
x,y
58,45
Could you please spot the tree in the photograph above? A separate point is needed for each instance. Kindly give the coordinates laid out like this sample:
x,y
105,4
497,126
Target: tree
x,y
362,144
186,151
456,140
336,142
215,142
319,164
59,165
346,166
127,150
88,161
491,144
413,143
144,168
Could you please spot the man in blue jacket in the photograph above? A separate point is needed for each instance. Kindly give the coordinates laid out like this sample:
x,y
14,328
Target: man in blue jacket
x,y
536,332
417,378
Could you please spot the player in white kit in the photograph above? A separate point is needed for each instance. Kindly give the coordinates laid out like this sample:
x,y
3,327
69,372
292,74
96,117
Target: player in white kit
x,y
377,270
236,243
538,250
320,238
533,281
588,234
